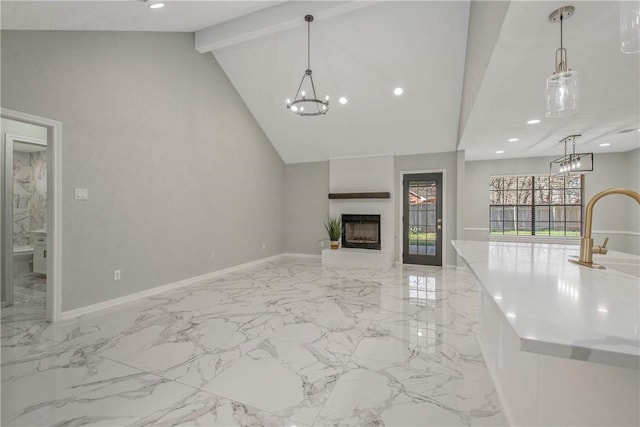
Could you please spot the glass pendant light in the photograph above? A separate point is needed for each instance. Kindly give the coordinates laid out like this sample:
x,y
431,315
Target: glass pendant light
x,y
630,26
562,85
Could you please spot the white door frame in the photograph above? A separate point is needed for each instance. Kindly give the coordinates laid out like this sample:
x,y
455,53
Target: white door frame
x,y
54,207
444,210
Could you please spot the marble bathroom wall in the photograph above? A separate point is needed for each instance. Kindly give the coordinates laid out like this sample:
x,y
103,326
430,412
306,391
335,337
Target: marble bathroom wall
x,y
29,194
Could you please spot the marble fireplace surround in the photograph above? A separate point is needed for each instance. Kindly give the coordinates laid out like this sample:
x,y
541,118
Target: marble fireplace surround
x,y
372,174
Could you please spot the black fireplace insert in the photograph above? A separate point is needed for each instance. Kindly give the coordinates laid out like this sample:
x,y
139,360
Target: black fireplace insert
x,y
361,231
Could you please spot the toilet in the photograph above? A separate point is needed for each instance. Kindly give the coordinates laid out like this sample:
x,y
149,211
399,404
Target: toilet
x,y
22,260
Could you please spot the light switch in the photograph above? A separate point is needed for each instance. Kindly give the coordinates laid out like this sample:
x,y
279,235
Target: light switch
x,y
82,194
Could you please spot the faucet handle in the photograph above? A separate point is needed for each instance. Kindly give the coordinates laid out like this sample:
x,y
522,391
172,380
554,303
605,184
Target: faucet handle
x,y
602,250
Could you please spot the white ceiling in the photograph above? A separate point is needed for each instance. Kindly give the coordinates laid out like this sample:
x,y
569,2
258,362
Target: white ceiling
x,y
363,54
122,15
513,88
28,148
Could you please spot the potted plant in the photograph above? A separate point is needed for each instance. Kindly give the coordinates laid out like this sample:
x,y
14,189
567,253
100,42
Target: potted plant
x,y
334,229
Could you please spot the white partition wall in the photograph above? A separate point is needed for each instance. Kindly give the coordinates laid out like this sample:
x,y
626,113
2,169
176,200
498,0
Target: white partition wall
x,y
366,174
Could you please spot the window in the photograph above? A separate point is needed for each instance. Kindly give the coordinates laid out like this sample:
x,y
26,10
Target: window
x,y
528,205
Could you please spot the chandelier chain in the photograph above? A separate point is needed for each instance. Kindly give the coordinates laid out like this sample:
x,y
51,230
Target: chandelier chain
x,y
308,45
561,16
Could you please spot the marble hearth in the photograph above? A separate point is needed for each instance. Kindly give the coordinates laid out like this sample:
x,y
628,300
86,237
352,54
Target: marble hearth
x,y
358,258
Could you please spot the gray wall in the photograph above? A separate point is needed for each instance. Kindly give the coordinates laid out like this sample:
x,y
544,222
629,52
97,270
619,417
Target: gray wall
x,y
615,213
421,162
306,206
176,166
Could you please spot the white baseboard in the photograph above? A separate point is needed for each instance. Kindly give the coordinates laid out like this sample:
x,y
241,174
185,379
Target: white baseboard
x,y
630,233
159,289
627,232
294,255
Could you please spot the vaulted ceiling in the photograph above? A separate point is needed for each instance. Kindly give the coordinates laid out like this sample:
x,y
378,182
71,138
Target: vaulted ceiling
x,y
363,50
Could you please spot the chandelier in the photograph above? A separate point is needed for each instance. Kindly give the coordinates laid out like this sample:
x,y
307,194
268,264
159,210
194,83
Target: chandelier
x,y
571,162
302,104
562,85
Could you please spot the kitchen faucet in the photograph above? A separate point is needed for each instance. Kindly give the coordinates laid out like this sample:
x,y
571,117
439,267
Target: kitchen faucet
x,y
586,242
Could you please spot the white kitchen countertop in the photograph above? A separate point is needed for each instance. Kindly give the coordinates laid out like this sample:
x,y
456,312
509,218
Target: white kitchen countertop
x,y
559,308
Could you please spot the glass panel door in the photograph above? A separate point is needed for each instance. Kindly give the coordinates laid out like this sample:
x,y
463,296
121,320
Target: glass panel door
x,y
422,219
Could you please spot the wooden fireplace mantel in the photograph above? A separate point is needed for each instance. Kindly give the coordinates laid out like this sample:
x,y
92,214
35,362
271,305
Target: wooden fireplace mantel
x,y
369,195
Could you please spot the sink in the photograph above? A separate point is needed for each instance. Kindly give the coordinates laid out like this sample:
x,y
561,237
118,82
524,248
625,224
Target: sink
x,y
627,265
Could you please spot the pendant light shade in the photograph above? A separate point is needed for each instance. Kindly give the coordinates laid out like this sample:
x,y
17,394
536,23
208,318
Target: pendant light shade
x,y
304,104
630,26
562,94
562,85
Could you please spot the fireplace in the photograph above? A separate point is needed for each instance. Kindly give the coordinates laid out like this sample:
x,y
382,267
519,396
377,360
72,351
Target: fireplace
x,y
361,231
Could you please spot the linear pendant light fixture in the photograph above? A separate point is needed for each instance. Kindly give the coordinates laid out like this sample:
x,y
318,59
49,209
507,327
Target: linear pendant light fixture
x,y
301,105
562,85
571,162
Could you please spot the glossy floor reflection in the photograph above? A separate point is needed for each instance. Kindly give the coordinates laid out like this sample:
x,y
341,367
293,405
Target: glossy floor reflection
x,y
29,299
286,343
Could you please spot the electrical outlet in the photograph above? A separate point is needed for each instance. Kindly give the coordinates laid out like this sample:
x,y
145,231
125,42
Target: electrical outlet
x,y
322,243
212,256
116,274
264,246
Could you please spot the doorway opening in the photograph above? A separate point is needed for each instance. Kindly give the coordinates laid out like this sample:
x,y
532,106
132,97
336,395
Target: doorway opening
x,y
30,217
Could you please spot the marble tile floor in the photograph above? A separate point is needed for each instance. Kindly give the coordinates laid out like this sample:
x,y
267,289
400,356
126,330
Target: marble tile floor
x,y
29,299
286,343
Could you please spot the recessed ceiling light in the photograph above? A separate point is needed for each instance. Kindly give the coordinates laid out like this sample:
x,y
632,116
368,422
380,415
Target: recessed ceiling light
x,y
156,5
606,144
533,122
513,139
342,100
500,152
398,91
